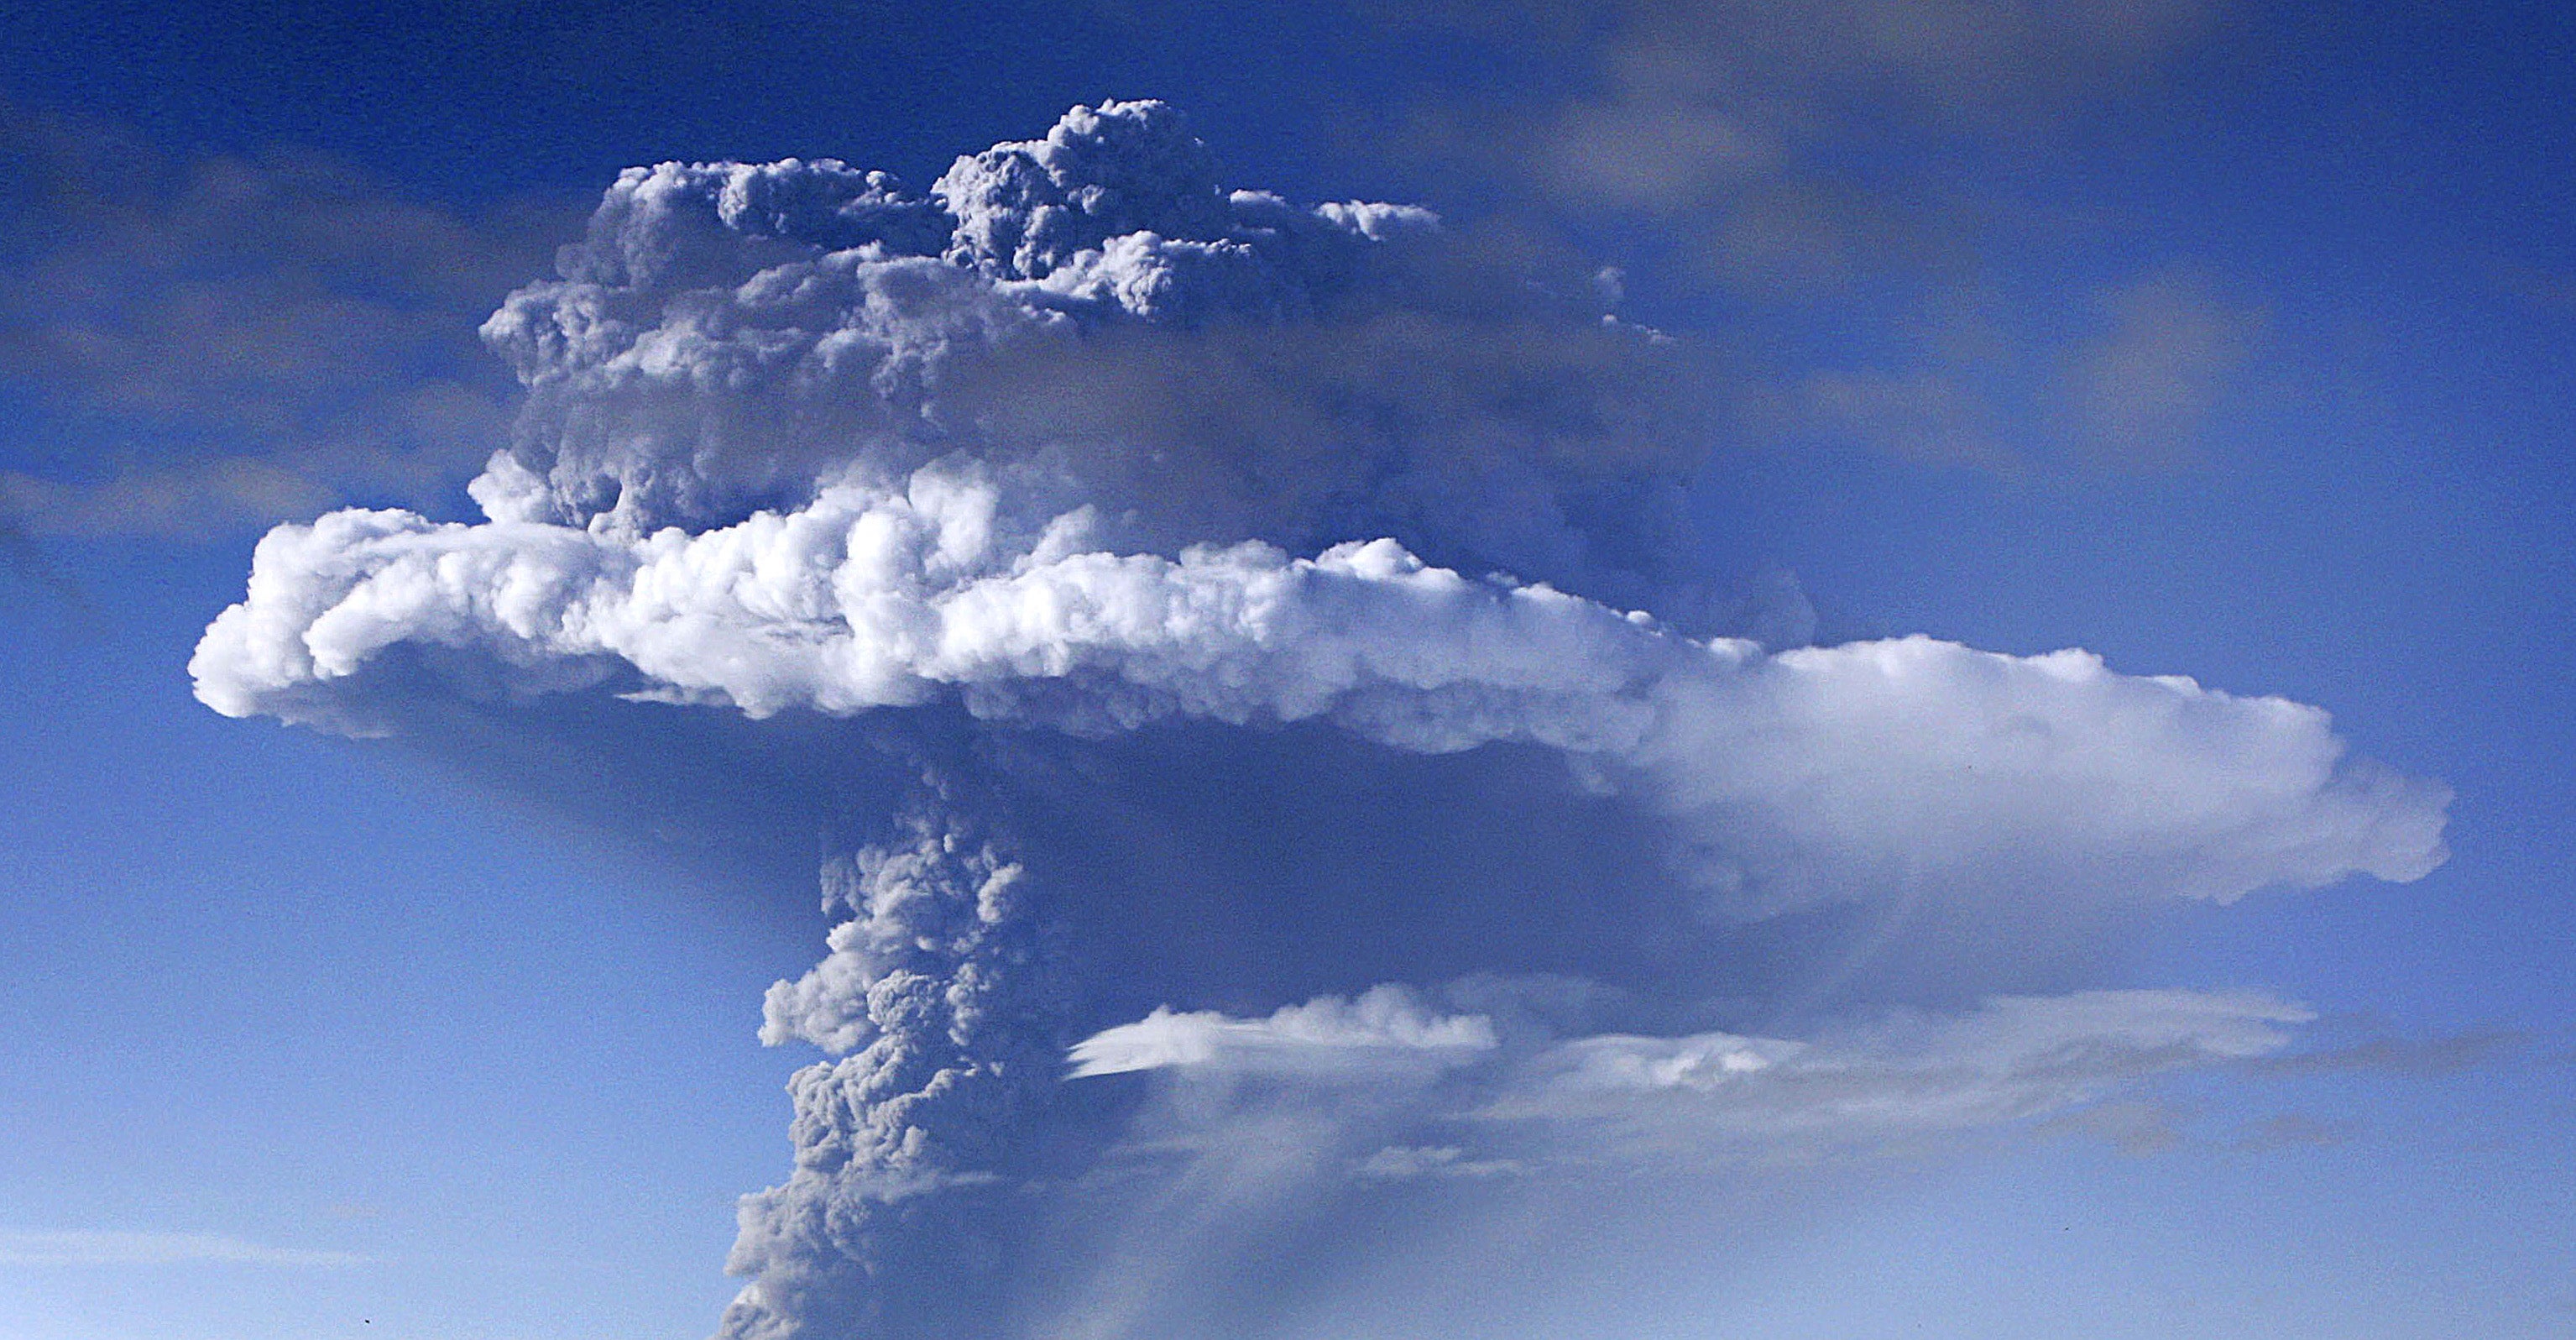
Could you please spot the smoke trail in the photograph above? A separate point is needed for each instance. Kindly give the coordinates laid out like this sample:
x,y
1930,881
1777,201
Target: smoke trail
x,y
937,1001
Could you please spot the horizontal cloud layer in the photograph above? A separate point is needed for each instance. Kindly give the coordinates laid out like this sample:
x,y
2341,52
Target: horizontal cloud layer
x,y
1708,1097
1326,1036
1808,774
1236,1159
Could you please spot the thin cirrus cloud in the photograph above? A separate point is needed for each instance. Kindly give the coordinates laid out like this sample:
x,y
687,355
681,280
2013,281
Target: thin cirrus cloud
x,y
68,1247
1256,1117
1712,1097
1079,451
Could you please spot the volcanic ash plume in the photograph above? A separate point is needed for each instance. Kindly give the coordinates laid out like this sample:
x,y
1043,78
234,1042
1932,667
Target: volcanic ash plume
x,y
1102,454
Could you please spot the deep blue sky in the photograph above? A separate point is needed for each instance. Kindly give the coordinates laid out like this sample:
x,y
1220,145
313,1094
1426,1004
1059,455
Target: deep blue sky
x,y
299,992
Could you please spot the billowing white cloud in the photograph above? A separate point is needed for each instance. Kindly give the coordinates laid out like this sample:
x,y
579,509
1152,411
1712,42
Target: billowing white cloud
x,y
1083,442
1812,773
1912,766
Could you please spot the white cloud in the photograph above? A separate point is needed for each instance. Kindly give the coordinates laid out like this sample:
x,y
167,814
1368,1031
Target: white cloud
x,y
1813,774
1863,1086
1403,1163
1328,1037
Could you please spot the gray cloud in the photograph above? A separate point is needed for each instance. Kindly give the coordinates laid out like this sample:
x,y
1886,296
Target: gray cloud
x,y
2137,1127
937,1002
1693,110
1922,414
2138,394
223,341
1095,318
1695,99
2143,1128
2397,1056
2132,390
1772,158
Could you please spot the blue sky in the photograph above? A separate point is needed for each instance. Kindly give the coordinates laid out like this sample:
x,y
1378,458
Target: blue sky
x,y
2223,341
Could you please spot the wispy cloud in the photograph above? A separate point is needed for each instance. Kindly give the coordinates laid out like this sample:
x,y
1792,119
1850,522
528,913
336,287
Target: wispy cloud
x,y
2398,1056
1778,158
215,341
1878,1084
1888,1081
75,1247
